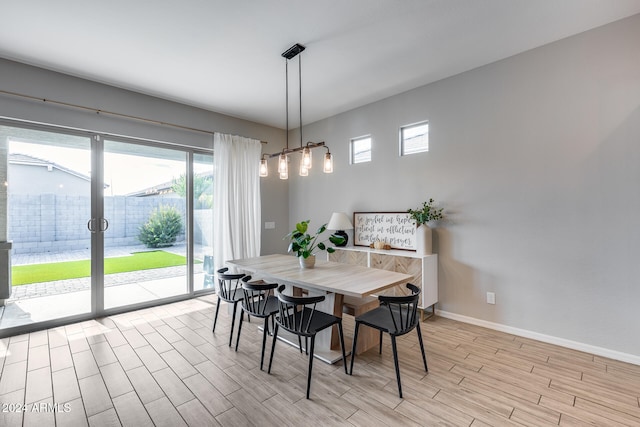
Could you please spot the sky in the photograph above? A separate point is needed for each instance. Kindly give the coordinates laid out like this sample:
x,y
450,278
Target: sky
x,y
124,173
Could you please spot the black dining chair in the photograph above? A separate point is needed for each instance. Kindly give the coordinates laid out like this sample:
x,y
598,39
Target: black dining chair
x,y
299,316
259,301
397,315
228,290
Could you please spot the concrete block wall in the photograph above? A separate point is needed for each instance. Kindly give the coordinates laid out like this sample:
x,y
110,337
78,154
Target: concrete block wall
x,y
57,223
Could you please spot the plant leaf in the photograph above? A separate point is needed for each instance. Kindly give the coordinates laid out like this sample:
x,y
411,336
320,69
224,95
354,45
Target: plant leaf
x,y
302,226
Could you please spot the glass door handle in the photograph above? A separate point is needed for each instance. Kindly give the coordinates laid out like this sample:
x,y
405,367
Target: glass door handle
x,y
91,225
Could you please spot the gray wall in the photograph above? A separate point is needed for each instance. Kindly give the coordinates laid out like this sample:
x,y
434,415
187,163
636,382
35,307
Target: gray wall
x,y
536,161
43,84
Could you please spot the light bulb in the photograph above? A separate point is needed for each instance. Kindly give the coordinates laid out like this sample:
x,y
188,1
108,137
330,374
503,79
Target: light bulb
x,y
328,163
283,166
264,169
306,157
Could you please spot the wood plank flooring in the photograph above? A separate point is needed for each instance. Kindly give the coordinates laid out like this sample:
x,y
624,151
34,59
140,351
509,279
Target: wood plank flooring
x,y
163,366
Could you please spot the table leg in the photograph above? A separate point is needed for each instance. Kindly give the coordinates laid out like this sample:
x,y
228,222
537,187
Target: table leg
x,y
325,339
367,337
337,311
327,345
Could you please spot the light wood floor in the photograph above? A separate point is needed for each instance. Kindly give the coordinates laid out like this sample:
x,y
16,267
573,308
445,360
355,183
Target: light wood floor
x,y
163,366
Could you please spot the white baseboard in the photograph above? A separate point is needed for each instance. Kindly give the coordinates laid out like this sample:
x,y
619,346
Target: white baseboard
x,y
587,348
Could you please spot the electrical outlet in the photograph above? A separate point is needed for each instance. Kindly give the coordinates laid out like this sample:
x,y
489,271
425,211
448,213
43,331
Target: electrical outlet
x,y
491,298
269,225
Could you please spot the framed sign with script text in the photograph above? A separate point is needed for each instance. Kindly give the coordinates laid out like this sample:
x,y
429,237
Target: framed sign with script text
x,y
397,229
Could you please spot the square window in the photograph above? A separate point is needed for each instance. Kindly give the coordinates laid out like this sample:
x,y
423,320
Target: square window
x,y
414,138
361,149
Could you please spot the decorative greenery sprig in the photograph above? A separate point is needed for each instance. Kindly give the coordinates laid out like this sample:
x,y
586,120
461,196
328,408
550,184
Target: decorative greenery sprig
x,y
304,245
427,213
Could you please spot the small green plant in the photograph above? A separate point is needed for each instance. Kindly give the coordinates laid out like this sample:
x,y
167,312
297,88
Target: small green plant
x,y
427,213
162,228
304,244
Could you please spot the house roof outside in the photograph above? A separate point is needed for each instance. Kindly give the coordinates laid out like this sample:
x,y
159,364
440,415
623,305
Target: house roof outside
x,y
163,188
28,160
25,159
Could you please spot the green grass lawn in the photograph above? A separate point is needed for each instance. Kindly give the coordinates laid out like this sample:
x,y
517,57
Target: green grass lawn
x,y
36,273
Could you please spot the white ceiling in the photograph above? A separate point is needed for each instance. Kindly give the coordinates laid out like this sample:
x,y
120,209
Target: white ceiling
x,y
224,56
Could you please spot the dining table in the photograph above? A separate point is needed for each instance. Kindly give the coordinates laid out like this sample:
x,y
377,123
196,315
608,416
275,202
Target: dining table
x,y
334,281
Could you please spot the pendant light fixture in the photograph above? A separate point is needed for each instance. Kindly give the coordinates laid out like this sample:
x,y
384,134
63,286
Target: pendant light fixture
x,y
306,161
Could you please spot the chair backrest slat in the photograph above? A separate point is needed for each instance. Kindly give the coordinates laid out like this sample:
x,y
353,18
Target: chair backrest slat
x,y
313,309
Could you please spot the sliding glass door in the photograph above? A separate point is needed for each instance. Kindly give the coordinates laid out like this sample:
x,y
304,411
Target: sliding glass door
x,y
202,222
145,207
98,225
48,205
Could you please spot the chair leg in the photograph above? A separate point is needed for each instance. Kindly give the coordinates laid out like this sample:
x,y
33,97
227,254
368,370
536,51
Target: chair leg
x,y
353,347
215,318
380,342
233,321
424,358
300,343
344,356
240,327
395,360
265,332
273,346
313,340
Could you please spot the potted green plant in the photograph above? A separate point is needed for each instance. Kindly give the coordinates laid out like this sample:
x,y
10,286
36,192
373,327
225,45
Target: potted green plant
x,y
422,216
306,245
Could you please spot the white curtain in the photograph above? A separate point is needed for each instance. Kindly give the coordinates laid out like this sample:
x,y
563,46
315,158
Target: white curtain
x,y
236,206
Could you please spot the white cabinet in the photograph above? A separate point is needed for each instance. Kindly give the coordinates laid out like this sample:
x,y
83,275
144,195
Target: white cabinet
x,y
423,268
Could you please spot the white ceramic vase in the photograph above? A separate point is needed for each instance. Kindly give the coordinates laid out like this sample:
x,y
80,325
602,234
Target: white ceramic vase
x,y
424,240
309,262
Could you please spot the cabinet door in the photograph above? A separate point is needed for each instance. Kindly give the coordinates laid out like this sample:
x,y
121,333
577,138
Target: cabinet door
x,y
349,257
412,267
406,265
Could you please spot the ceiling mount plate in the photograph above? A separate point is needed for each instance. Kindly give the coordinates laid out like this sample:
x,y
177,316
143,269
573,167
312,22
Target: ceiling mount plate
x,y
293,51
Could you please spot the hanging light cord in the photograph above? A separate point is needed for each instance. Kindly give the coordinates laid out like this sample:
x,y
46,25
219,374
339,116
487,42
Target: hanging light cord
x,y
300,92
286,101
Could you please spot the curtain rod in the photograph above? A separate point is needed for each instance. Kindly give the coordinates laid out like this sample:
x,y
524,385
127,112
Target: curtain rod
x,y
127,116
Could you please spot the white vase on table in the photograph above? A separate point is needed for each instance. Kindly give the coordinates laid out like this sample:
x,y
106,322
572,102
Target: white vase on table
x,y
308,262
424,240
